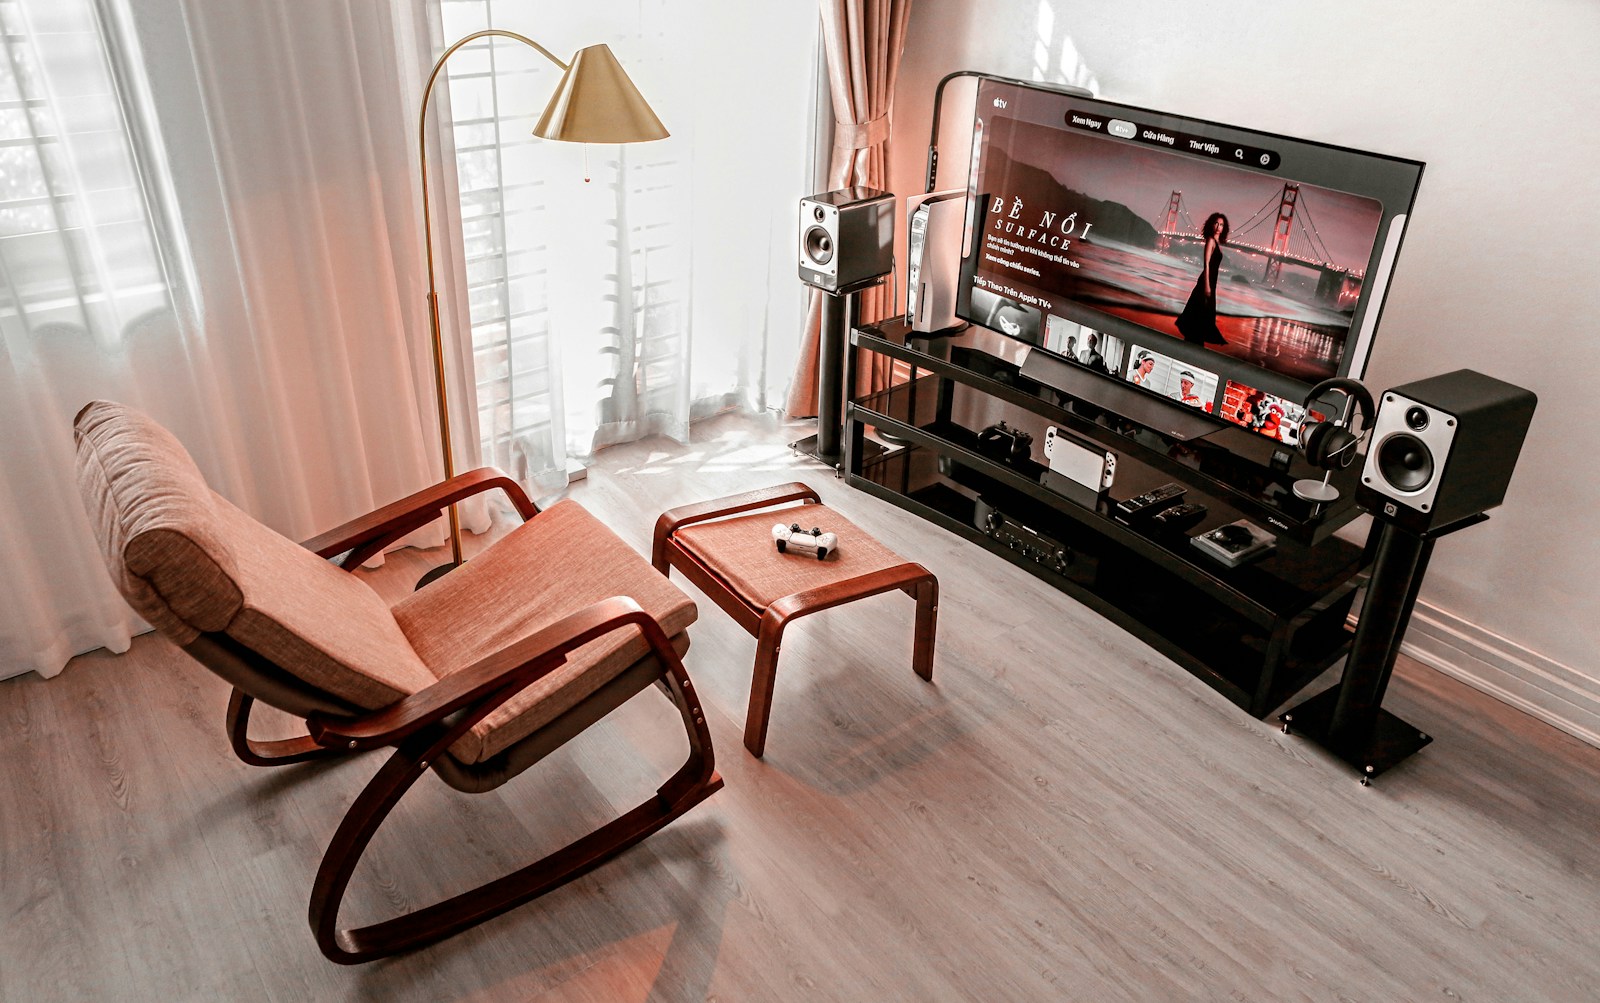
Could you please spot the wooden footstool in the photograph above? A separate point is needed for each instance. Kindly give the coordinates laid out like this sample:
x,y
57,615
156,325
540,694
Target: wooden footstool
x,y
732,559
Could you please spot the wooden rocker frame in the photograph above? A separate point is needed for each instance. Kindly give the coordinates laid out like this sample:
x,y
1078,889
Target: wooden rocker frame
x,y
421,728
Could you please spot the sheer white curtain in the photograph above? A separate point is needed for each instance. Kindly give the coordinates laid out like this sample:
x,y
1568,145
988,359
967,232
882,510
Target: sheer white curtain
x,y
223,230
78,267
616,292
284,339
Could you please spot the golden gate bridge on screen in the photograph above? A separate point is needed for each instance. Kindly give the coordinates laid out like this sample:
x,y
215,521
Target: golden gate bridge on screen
x,y
1293,238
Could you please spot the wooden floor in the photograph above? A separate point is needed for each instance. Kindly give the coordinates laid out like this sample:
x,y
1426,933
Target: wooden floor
x,y
1061,815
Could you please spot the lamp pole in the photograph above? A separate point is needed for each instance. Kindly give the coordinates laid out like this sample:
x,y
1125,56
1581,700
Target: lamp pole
x,y
441,393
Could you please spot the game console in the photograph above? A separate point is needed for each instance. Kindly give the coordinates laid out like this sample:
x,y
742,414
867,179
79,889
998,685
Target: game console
x,y
1076,468
933,259
1005,444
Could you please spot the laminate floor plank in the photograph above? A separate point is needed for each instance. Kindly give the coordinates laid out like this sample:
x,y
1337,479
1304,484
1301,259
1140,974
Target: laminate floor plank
x,y
1061,814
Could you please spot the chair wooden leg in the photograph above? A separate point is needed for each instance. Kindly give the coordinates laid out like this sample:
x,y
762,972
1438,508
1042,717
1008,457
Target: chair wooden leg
x,y
692,783
927,595
280,753
699,770
769,638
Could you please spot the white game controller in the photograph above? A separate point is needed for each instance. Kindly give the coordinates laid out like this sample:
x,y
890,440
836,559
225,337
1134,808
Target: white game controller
x,y
804,541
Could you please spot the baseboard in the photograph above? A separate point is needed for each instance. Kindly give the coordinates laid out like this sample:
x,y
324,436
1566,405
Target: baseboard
x,y
1552,692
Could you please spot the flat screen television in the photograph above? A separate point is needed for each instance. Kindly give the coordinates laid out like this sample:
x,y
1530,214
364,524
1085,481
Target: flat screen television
x,y
1222,269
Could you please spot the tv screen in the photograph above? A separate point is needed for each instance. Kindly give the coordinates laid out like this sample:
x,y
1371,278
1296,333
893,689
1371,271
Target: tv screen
x,y
1205,263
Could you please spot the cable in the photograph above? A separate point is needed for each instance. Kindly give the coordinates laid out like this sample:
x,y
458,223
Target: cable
x,y
1253,222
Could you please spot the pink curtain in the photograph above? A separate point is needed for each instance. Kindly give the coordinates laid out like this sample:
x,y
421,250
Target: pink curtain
x,y
863,40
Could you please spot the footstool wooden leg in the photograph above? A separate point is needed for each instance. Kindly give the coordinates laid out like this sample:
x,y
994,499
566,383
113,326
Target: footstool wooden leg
x,y
927,623
769,637
658,548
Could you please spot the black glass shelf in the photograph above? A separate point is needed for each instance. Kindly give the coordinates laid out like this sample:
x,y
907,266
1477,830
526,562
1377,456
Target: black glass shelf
x,y
1285,583
1229,462
1257,634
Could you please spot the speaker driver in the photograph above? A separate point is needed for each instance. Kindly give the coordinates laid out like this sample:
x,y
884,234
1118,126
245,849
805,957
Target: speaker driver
x,y
1405,462
819,245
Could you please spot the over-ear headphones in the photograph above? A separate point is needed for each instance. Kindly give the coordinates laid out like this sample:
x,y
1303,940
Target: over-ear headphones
x,y
1330,444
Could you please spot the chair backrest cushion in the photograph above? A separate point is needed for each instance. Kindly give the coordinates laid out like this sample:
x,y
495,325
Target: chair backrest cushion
x,y
151,510
188,561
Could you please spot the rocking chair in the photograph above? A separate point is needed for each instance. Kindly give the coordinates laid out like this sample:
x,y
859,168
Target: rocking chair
x,y
477,677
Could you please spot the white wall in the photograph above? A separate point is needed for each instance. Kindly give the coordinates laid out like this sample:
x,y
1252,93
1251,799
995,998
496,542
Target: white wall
x,y
1498,271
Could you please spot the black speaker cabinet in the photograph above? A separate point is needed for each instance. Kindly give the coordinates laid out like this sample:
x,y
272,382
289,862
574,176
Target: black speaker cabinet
x,y
846,237
1442,449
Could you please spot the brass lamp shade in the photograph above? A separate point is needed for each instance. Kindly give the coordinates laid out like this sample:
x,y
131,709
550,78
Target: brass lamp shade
x,y
597,103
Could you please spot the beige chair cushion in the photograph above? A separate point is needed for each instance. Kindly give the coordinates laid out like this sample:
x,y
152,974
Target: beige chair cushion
x,y
188,561
742,553
152,514
321,623
555,564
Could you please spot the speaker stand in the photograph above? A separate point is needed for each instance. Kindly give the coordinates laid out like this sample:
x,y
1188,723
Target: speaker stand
x,y
837,310
1347,719
1381,741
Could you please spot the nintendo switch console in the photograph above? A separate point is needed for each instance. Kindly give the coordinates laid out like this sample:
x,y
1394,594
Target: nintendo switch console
x,y
1076,468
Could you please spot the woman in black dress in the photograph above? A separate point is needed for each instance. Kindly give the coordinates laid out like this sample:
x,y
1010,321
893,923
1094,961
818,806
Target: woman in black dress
x,y
1198,321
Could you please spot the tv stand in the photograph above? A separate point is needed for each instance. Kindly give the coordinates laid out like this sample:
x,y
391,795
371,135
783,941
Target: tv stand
x,y
1258,634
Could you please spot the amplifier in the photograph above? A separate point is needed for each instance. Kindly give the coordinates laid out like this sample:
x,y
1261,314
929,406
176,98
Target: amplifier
x,y
1024,540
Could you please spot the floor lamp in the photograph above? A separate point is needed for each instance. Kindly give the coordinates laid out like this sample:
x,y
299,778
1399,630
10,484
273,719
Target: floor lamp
x,y
595,102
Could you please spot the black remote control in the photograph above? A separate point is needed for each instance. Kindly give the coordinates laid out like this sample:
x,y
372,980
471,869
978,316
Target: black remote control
x,y
1151,501
1181,517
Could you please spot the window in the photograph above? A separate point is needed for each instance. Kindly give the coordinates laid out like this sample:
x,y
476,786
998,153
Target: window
x,y
601,267
76,244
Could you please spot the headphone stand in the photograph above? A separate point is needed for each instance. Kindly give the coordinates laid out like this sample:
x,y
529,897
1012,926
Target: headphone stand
x,y
1317,492
1330,444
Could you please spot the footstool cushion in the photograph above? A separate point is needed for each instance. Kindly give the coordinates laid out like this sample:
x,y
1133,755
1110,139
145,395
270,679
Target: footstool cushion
x,y
740,551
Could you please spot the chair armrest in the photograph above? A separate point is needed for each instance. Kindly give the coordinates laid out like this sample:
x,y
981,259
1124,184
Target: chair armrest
x,y
369,534
674,519
494,678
